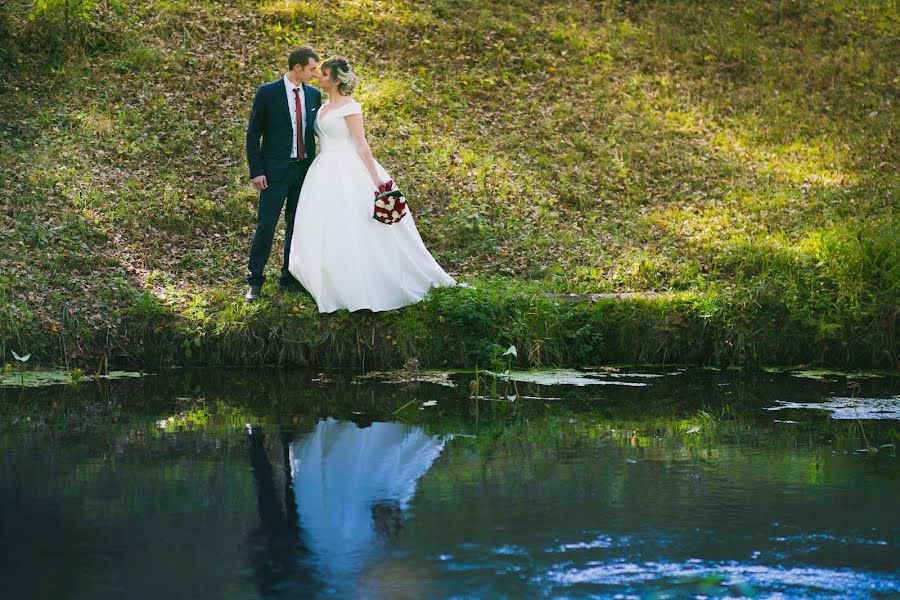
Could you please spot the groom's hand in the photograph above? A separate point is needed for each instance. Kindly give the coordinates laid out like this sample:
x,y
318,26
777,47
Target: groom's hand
x,y
260,183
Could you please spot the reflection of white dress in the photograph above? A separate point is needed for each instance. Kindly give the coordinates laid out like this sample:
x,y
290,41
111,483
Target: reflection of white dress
x,y
339,253
339,473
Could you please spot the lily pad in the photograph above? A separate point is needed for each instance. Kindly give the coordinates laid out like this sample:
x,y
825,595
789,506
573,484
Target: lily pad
x,y
640,375
122,375
564,377
823,374
45,378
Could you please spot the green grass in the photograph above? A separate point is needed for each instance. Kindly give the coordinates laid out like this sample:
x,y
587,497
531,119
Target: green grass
x,y
739,156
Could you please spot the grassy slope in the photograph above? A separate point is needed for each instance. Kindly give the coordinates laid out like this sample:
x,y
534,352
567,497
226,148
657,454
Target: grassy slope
x,y
744,155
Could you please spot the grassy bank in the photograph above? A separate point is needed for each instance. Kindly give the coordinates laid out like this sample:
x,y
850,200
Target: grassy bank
x,y
739,158
750,326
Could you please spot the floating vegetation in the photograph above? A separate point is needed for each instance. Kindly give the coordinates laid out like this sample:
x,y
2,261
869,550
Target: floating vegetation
x,y
571,377
825,374
45,378
406,376
850,408
639,375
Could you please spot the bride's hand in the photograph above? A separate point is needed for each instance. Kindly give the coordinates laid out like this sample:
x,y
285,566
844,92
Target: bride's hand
x,y
384,185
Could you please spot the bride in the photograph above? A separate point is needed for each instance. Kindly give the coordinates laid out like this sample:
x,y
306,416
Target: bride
x,y
339,252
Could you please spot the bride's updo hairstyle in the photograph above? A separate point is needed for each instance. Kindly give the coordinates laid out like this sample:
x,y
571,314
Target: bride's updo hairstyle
x,y
340,73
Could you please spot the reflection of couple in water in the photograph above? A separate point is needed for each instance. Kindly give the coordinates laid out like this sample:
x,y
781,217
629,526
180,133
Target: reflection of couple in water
x,y
346,493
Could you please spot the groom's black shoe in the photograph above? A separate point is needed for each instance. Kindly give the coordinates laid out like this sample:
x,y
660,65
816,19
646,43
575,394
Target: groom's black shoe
x,y
291,285
252,293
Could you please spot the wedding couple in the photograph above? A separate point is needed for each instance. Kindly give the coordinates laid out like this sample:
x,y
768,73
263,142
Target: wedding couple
x,y
333,247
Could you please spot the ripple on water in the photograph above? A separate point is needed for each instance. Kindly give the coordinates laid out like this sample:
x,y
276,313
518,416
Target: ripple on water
x,y
717,579
588,567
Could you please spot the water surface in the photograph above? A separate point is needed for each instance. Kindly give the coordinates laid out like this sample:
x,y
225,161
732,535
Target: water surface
x,y
268,484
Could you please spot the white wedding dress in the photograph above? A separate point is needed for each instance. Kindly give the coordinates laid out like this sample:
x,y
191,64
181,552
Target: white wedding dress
x,y
339,253
341,473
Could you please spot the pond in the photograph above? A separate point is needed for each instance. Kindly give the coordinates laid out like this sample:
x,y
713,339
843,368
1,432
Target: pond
x,y
651,483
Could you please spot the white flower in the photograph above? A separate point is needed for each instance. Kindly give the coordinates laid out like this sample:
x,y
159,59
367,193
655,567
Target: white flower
x,y
379,203
396,215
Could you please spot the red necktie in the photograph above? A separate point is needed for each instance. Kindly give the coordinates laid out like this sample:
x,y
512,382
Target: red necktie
x,y
299,112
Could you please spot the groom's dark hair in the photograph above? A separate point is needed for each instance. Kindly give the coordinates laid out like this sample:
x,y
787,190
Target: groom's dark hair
x,y
300,56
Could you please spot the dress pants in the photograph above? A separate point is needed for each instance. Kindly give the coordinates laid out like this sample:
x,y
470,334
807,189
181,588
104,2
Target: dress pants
x,y
281,193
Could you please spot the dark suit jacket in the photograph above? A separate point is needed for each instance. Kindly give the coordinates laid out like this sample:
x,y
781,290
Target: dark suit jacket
x,y
271,121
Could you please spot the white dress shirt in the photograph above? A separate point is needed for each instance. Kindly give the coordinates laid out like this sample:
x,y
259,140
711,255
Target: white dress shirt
x,y
292,109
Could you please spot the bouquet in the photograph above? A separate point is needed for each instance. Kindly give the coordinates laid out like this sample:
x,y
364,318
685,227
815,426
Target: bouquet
x,y
390,205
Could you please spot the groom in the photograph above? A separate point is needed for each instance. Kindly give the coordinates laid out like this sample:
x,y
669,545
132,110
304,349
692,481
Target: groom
x,y
282,117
